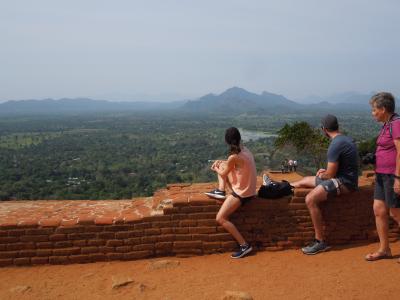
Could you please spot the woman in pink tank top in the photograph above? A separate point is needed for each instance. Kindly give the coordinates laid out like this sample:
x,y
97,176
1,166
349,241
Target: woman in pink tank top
x,y
238,173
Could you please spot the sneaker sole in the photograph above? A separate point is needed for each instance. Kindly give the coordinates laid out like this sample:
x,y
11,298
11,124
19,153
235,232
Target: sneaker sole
x,y
313,253
243,254
215,196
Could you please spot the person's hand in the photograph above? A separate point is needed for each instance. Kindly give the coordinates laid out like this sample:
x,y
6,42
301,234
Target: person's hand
x,y
216,165
396,186
320,171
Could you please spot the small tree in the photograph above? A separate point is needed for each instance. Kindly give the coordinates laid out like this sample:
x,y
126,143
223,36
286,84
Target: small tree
x,y
305,139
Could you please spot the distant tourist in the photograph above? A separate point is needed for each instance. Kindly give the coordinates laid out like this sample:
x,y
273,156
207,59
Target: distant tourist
x,y
283,167
290,165
340,177
295,165
387,171
239,173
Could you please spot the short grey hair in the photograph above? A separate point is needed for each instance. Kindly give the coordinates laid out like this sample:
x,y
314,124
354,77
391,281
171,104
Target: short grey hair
x,y
383,100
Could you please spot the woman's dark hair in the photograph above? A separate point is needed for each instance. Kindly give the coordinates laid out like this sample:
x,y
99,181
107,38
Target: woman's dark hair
x,y
233,138
384,100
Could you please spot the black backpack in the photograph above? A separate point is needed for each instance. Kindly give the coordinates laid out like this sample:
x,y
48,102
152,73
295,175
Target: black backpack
x,y
275,190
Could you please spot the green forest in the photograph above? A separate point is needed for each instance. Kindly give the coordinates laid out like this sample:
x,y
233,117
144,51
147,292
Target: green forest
x,y
125,155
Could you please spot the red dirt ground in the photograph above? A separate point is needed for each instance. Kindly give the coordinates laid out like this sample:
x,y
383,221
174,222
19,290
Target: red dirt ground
x,y
339,274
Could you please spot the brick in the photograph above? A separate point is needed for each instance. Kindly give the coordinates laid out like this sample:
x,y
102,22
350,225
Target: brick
x,y
115,256
137,254
180,217
143,247
66,251
81,236
80,259
87,250
58,260
20,246
39,260
187,244
297,206
166,231
23,261
97,257
105,249
63,244
229,245
28,223
207,223
70,229
4,232
16,232
106,235
8,239
136,233
142,225
152,231
187,223
211,245
114,243
123,249
104,221
202,229
166,238
94,228
180,230
220,237
69,223
26,253
183,237
170,210
164,245
86,220
96,242
116,228
191,209
298,200
44,245
179,252
8,254
44,252
57,237
51,222
202,215
6,262
133,241
39,231
211,208
122,235
159,218
149,239
79,243
164,224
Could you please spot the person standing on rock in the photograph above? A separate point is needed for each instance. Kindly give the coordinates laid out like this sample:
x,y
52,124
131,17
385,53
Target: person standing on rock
x,y
238,173
340,177
387,171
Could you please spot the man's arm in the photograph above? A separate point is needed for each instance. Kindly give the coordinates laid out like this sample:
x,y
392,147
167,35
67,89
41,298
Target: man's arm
x,y
224,168
330,171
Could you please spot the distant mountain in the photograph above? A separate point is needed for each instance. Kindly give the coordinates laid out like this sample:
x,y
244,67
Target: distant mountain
x,y
237,100
80,105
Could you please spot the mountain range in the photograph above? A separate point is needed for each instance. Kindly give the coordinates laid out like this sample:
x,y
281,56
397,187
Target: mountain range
x,y
233,101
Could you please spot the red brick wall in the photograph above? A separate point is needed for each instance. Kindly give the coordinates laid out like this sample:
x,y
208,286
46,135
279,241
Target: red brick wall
x,y
188,227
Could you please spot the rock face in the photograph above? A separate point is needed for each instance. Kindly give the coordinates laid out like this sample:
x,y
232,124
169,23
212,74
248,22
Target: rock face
x,y
236,295
164,264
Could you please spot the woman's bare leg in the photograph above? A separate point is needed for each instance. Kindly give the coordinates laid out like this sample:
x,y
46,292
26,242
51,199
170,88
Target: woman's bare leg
x,y
230,205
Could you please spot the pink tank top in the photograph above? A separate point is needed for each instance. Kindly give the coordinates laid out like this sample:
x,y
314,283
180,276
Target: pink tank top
x,y
244,178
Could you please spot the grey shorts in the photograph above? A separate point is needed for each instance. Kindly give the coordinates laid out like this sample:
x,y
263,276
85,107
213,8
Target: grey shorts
x,y
384,190
331,186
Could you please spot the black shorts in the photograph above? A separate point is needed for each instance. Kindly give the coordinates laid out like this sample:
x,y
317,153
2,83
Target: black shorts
x,y
243,201
384,190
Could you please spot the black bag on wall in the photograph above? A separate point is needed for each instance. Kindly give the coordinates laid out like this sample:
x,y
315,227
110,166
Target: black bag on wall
x,y
275,190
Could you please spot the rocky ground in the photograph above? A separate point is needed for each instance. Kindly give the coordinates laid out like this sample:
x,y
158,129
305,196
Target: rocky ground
x,y
339,274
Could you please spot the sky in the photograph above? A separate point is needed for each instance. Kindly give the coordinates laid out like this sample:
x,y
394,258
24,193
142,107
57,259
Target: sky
x,y
172,50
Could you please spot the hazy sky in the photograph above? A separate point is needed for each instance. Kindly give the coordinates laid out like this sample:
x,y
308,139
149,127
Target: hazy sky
x,y
184,49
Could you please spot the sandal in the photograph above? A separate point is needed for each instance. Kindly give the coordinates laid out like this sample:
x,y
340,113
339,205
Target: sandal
x,y
378,255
